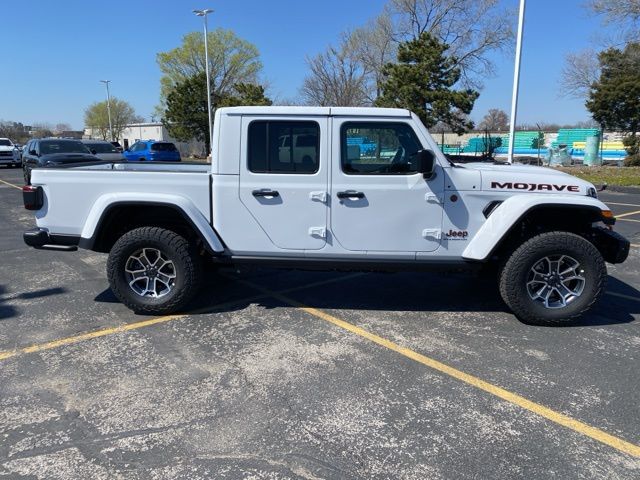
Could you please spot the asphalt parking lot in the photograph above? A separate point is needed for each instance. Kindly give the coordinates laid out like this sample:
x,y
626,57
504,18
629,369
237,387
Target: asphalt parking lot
x,y
280,374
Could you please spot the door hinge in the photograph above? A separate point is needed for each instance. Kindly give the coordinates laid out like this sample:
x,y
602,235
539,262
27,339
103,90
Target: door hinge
x,y
318,232
432,233
431,198
318,196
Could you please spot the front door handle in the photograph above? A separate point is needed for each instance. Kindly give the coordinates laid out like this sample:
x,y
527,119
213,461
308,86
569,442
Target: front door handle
x,y
265,193
350,194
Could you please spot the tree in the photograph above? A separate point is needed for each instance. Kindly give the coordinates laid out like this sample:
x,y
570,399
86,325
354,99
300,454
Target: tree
x,y
582,69
96,117
336,78
41,130
61,127
423,81
495,120
374,46
186,116
354,70
624,14
614,100
232,61
473,29
579,72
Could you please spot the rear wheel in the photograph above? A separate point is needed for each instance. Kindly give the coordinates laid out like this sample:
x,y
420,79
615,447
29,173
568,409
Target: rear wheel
x,y
553,278
154,271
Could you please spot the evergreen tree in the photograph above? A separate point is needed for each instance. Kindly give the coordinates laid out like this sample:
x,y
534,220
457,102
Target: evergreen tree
x,y
423,80
186,115
614,100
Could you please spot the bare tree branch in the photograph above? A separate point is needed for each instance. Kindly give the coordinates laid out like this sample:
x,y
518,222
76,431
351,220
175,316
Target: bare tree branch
x,y
580,71
336,78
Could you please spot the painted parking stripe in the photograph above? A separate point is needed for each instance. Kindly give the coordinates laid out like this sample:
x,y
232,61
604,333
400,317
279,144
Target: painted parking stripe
x,y
628,214
621,204
11,184
513,398
61,342
627,220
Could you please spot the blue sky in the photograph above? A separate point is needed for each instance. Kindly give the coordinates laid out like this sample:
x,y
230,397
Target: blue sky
x,y
55,52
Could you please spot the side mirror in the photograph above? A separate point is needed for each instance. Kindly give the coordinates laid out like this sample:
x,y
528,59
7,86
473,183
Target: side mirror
x,y
32,152
93,152
425,161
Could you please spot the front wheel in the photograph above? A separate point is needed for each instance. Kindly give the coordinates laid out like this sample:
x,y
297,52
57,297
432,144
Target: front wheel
x,y
553,278
153,271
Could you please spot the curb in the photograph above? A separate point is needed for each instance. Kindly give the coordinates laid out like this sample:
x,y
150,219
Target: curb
x,y
620,189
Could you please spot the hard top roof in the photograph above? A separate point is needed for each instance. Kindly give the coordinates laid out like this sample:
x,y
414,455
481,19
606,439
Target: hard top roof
x,y
324,111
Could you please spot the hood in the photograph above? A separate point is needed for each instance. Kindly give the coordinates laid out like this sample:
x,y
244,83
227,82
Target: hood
x,y
58,158
7,148
113,157
527,178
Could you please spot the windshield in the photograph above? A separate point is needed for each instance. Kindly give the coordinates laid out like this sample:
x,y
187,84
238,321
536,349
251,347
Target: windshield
x,y
163,147
4,142
102,147
62,147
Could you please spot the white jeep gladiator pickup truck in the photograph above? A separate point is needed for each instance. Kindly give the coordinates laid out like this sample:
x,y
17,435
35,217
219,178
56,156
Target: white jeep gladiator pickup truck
x,y
331,188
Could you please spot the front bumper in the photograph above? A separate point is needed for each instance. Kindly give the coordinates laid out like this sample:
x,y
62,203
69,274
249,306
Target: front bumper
x,y
9,161
41,239
613,246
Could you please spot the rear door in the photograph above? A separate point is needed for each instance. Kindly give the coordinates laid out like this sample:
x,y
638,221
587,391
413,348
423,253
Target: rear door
x,y
284,178
380,203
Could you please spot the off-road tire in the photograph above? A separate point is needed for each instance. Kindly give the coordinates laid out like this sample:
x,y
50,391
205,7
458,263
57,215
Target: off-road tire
x,y
513,278
184,256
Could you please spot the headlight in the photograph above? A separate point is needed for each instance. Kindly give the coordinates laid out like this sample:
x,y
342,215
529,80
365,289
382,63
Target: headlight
x,y
591,192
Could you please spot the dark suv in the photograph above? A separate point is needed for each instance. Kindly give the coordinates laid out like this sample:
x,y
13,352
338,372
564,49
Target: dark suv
x,y
44,152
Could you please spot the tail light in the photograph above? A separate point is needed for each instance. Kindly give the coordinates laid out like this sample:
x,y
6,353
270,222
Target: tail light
x,y
33,197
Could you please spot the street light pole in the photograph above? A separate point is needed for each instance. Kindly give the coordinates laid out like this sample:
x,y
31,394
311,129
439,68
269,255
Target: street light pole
x,y
203,13
107,82
516,83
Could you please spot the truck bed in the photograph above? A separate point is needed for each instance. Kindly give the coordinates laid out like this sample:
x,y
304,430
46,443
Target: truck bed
x,y
76,195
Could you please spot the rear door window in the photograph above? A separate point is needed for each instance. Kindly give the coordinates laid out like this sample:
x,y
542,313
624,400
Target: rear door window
x,y
163,147
284,147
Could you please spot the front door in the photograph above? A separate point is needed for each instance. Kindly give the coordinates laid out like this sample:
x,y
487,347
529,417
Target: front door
x,y
379,202
284,179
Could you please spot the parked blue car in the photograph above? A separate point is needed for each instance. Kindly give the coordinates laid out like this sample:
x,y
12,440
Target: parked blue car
x,y
152,151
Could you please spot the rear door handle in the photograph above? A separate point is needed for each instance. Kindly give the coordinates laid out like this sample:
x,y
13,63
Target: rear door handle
x,y
350,194
265,193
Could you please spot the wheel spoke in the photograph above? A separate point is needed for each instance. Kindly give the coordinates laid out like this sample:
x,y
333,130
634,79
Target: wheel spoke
x,y
573,277
548,296
165,279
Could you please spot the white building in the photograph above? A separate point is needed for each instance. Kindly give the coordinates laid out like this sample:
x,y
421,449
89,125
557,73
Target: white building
x,y
153,131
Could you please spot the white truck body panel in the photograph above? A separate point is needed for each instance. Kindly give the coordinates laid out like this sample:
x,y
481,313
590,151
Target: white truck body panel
x,y
509,212
100,187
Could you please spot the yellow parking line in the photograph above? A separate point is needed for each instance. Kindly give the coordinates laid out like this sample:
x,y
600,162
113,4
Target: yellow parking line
x,y
627,220
628,214
499,392
155,321
86,336
10,184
